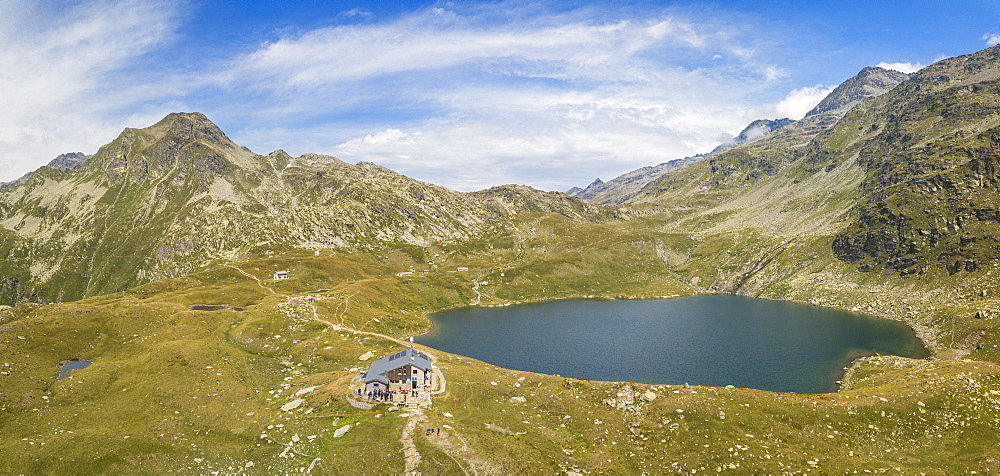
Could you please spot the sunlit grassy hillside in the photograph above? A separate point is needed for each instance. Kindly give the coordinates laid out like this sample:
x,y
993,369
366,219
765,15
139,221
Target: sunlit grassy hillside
x,y
175,389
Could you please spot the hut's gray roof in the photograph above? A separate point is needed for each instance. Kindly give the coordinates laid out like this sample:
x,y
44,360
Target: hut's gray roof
x,y
378,369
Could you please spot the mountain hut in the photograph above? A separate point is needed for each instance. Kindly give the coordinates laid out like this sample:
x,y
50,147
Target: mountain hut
x,y
408,369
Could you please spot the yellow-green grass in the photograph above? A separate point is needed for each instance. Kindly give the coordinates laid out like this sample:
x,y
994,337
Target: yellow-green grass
x,y
212,382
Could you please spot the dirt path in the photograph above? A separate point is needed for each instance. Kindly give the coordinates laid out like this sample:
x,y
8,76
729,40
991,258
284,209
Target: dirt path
x,y
479,296
244,273
410,453
442,384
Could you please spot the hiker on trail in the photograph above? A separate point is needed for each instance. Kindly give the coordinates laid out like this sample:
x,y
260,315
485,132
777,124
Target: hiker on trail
x,y
439,432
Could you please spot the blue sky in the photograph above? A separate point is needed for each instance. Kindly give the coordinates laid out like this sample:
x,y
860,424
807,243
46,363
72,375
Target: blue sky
x,y
462,94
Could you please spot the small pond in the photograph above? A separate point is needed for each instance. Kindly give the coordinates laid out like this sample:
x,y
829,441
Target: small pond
x,y
72,365
702,340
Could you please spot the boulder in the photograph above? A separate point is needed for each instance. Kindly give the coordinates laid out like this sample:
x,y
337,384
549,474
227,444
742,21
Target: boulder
x,y
648,397
339,432
292,405
305,391
626,396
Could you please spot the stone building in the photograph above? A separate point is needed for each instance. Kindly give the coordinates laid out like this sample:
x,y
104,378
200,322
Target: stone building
x,y
409,369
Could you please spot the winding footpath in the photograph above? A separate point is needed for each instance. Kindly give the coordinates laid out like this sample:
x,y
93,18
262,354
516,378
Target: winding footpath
x,y
410,453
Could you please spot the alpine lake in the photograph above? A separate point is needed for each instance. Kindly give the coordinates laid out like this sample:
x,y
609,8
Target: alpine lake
x,y
712,340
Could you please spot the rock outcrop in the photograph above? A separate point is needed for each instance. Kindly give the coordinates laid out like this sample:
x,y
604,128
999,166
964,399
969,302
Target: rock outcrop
x,y
931,155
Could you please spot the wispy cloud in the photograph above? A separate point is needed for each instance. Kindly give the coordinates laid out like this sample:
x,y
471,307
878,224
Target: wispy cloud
x,y
58,73
903,67
357,12
486,96
437,39
991,39
466,96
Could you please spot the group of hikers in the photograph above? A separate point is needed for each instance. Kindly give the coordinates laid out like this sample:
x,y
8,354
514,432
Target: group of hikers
x,y
382,395
387,395
430,431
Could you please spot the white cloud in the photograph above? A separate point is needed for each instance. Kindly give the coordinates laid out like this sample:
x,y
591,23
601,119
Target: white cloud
x,y
902,67
794,105
991,39
515,100
465,99
58,74
550,141
799,101
386,137
554,47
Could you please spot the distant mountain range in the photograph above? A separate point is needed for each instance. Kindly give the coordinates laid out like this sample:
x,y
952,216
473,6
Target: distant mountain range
x,y
870,82
62,163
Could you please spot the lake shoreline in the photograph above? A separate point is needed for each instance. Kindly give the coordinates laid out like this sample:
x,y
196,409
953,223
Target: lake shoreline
x,y
755,314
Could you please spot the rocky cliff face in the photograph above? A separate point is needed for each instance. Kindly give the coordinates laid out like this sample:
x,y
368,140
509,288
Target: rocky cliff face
x,y
163,200
906,180
931,190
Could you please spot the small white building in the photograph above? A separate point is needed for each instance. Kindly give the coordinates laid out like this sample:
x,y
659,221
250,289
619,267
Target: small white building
x,y
463,268
281,275
405,274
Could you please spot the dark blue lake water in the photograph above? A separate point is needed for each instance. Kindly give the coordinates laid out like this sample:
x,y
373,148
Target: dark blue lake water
x,y
703,340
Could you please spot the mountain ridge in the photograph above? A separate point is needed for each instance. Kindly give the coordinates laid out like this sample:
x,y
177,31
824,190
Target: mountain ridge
x,y
198,196
869,82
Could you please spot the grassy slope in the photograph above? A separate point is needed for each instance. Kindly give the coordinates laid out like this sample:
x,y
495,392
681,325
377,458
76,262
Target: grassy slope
x,y
197,390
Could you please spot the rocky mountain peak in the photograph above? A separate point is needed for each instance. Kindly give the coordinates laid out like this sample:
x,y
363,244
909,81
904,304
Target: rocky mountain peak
x,y
186,142
869,82
69,161
63,163
189,127
753,131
